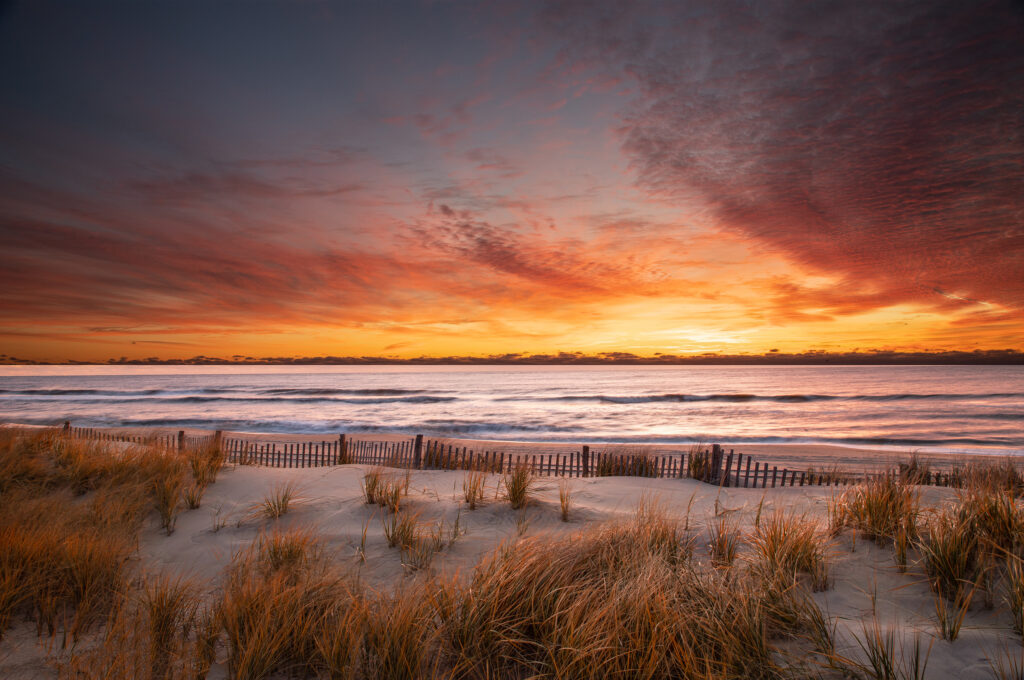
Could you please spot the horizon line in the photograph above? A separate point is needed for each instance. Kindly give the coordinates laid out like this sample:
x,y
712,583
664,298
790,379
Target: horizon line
x,y
809,357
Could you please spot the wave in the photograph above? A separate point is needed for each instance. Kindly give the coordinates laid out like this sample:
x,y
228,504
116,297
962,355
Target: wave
x,y
542,432
78,391
783,398
335,391
295,400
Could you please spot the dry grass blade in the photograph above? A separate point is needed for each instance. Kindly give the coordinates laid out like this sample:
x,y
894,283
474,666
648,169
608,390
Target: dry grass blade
x,y
949,550
371,485
167,490
193,495
473,488
916,470
170,605
723,540
564,498
787,545
1015,591
206,463
279,501
518,482
881,508
1008,665
881,649
400,529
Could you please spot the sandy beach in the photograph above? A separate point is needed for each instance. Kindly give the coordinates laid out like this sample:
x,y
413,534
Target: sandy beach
x,y
864,584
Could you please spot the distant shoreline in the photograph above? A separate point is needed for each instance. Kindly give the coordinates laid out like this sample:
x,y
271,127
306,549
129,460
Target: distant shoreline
x,y
1004,357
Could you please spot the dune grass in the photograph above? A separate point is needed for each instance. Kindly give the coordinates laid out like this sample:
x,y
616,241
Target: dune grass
x,y
278,501
384,489
518,482
881,509
886,656
564,498
619,600
723,540
473,488
70,511
787,545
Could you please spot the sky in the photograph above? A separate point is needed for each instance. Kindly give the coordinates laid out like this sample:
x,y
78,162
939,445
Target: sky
x,y
406,179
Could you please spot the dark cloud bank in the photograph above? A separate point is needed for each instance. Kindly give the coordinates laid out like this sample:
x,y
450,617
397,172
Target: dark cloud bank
x,y
881,142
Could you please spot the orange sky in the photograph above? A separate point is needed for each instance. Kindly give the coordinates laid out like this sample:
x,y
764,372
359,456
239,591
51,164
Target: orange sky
x,y
419,180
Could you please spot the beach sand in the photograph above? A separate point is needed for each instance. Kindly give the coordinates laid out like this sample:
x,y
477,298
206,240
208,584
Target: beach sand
x,y
865,582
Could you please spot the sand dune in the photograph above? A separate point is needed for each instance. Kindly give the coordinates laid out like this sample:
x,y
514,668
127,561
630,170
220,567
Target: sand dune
x,y
865,584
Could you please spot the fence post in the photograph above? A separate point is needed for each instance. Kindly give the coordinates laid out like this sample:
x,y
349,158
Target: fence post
x,y
586,460
67,428
417,456
218,438
342,450
181,440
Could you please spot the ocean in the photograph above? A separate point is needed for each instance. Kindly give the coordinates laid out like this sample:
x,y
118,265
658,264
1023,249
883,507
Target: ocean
x,y
940,408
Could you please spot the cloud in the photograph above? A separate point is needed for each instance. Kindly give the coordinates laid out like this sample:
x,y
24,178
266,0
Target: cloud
x,y
490,161
205,185
558,266
879,143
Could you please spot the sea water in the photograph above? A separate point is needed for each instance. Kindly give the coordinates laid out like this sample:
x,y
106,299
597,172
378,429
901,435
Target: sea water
x,y
960,408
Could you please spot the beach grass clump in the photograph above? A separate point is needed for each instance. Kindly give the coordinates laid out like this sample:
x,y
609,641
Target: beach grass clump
x,y
205,463
278,501
167,490
473,488
57,564
518,482
192,494
1008,664
1014,594
300,618
995,514
1000,475
391,494
564,498
400,529
723,540
119,507
787,545
278,592
63,560
401,637
419,541
949,549
608,603
383,489
886,656
372,483
287,551
662,533
270,621
171,605
70,513
23,463
339,641
881,508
